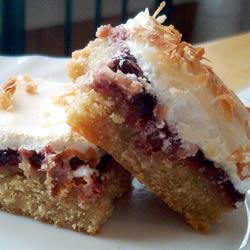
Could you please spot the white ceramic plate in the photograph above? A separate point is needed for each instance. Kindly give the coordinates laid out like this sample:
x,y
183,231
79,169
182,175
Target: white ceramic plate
x,y
140,220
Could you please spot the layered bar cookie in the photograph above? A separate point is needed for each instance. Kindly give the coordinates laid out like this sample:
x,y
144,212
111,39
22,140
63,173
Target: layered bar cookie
x,y
47,171
147,98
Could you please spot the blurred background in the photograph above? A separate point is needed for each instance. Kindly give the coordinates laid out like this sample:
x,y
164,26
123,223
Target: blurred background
x,y
57,27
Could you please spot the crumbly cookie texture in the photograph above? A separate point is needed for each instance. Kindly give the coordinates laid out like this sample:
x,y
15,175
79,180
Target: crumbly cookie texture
x,y
148,99
26,196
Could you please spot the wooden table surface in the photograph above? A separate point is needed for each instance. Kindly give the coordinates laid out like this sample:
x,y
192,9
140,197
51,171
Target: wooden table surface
x,y
230,59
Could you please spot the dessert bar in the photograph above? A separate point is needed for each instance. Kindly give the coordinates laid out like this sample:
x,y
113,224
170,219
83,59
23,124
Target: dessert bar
x,y
151,101
47,171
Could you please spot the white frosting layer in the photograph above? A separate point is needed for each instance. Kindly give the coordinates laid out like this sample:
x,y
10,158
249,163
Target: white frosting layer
x,y
190,108
35,121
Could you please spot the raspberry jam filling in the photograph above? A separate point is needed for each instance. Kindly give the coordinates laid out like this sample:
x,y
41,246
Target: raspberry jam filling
x,y
67,176
36,159
138,111
127,64
75,163
72,177
9,157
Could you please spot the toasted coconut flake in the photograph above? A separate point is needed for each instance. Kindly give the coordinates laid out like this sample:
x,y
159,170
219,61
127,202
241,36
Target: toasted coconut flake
x,y
161,19
159,9
30,85
218,89
227,105
6,94
222,96
104,31
242,159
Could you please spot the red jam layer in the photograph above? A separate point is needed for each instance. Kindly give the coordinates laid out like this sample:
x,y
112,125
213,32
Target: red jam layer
x,y
9,157
85,189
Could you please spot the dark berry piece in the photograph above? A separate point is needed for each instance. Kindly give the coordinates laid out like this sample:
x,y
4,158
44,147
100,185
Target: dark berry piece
x,y
127,64
9,157
36,159
144,104
103,164
75,163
